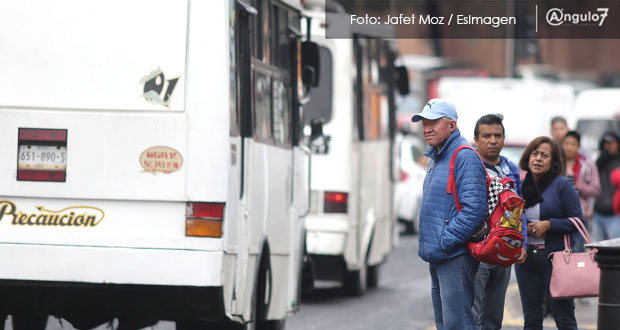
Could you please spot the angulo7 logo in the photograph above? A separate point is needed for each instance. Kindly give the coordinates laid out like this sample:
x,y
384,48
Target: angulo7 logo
x,y
557,17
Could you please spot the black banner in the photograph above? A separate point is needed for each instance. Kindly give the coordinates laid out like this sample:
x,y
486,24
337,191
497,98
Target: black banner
x,y
479,19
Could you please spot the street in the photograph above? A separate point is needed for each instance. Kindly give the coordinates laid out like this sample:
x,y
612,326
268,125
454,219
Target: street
x,y
402,301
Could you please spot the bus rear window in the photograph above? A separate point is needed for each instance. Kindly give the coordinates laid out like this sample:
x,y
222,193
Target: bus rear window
x,y
109,55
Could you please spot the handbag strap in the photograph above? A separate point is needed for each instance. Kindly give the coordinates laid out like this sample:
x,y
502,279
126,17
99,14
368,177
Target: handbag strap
x,y
581,228
567,243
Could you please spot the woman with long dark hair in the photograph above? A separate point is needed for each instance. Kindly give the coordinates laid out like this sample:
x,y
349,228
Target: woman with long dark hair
x,y
550,199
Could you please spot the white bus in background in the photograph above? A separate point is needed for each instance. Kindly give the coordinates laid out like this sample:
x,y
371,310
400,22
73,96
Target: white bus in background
x,y
527,106
596,111
351,225
152,167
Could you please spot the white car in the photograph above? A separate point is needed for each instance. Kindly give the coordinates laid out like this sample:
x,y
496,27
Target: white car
x,y
409,189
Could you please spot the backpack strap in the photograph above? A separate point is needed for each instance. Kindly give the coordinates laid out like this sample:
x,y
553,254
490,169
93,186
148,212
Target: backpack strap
x,y
451,181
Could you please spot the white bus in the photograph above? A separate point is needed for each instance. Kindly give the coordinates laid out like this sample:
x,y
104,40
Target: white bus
x,y
152,166
351,225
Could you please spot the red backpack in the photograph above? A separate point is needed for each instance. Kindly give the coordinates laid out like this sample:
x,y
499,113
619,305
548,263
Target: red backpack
x,y
499,240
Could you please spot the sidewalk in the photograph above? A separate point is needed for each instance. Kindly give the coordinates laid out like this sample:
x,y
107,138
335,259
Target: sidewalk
x,y
586,310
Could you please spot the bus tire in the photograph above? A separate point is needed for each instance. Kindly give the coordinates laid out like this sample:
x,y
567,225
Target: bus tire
x,y
372,278
219,325
271,325
230,325
24,320
410,228
263,287
354,283
191,325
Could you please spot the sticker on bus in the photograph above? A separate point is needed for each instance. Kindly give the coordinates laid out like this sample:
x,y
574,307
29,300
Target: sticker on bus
x,y
72,216
161,159
154,84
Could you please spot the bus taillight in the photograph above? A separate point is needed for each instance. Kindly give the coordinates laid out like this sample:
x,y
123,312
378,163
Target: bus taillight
x,y
204,219
403,175
335,202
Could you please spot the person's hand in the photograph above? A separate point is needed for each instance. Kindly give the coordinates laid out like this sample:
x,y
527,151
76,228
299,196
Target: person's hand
x,y
538,229
522,256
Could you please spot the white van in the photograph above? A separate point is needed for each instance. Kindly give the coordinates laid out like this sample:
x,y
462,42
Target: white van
x,y
152,164
596,111
351,225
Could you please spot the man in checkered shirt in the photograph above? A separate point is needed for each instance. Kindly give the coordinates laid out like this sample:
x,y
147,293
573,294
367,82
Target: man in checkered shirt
x,y
491,281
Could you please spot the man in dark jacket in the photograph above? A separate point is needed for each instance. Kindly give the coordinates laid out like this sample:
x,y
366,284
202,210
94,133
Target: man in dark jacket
x,y
443,229
606,224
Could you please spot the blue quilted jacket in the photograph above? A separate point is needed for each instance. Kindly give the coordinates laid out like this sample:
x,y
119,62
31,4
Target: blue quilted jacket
x,y
443,230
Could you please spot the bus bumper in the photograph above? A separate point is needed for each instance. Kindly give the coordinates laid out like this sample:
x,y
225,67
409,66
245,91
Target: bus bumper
x,y
111,265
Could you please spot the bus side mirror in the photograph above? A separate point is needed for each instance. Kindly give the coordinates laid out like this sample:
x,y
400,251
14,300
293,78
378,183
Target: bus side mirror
x,y
318,142
310,63
402,80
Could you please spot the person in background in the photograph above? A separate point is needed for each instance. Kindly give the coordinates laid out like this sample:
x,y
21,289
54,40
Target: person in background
x,y
606,224
615,181
559,128
491,282
444,230
585,176
550,199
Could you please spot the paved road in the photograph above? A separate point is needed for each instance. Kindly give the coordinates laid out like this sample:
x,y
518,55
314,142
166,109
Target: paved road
x,y
402,301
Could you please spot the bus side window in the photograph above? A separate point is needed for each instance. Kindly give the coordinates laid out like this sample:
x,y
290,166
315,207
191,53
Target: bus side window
x,y
281,113
262,107
283,41
375,105
265,38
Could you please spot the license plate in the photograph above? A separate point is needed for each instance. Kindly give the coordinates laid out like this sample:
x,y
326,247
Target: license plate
x,y
42,157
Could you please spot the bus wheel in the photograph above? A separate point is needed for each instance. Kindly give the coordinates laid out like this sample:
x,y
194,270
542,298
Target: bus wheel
x,y
202,325
190,325
23,320
230,325
355,282
271,325
372,278
410,228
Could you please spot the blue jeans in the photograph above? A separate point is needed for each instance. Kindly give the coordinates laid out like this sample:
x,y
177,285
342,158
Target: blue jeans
x,y
452,291
491,283
605,227
533,278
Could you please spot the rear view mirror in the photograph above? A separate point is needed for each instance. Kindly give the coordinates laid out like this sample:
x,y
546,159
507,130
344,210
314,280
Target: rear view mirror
x,y
310,63
319,105
318,142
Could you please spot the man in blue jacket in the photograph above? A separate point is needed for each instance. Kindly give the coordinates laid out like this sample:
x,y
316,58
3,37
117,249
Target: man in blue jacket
x,y
444,230
491,282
